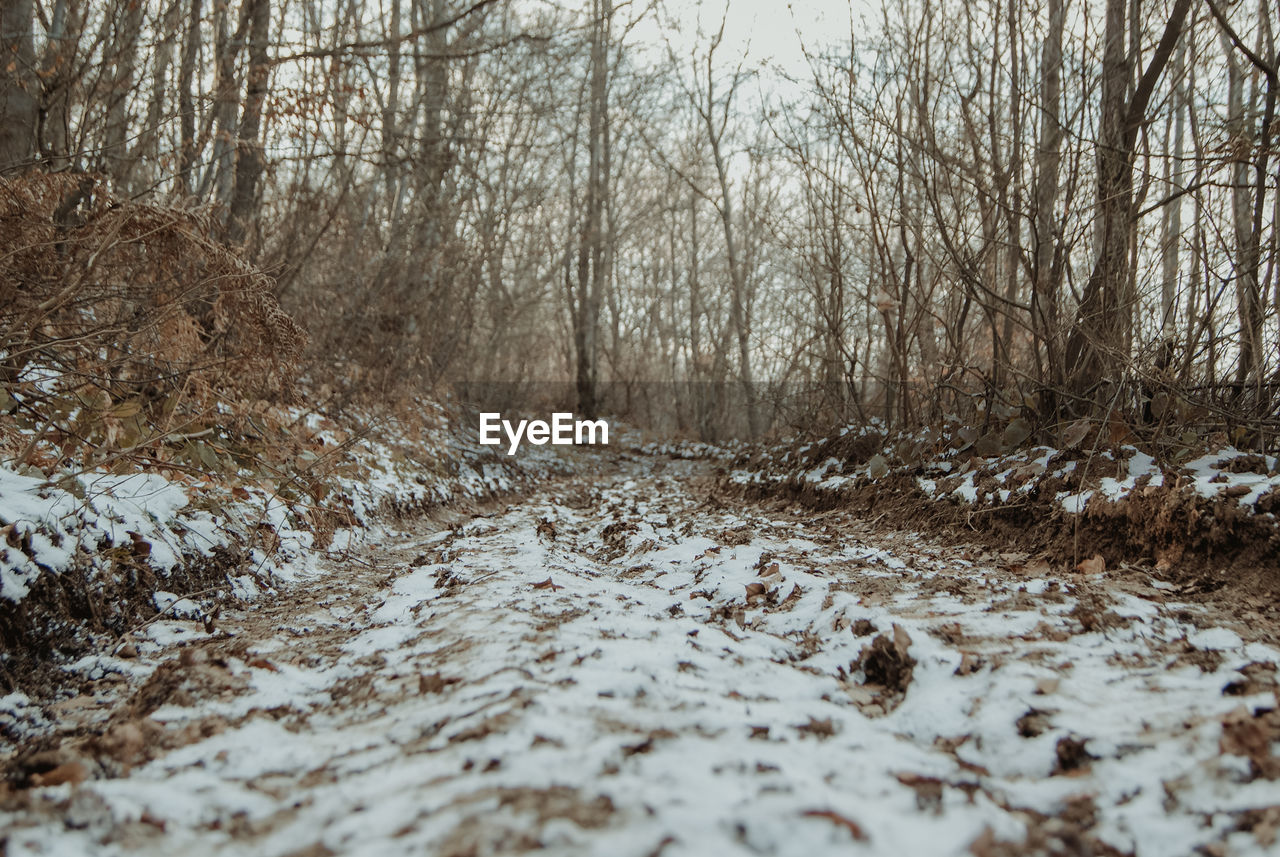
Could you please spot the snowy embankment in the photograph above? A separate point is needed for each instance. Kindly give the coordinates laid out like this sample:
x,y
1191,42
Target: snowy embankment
x,y
619,667
955,470
1219,503
140,536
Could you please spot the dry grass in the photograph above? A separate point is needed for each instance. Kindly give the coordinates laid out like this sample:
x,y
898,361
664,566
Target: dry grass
x,y
123,323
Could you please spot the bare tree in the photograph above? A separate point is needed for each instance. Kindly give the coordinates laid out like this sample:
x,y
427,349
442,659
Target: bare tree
x,y
18,97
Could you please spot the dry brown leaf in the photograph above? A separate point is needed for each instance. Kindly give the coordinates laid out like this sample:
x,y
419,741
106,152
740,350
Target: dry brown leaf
x,y
1264,831
1093,565
836,818
141,547
823,728
1075,433
1118,431
1039,568
547,584
435,682
263,664
69,772
755,590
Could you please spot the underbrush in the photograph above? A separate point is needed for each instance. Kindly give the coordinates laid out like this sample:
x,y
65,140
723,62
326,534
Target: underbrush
x,y
158,456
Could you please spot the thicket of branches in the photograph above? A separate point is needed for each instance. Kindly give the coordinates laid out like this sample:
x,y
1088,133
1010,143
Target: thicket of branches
x,y
993,210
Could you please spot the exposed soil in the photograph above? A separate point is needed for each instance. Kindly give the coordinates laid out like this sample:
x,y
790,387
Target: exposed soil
x,y
74,613
1207,549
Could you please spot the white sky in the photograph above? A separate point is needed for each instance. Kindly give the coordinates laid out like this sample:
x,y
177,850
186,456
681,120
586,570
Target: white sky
x,y
767,31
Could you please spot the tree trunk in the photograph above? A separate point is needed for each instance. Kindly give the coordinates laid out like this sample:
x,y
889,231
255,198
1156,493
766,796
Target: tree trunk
x,y
220,175
18,100
1096,349
53,131
118,159
1048,247
186,99
591,264
1171,217
249,155
149,135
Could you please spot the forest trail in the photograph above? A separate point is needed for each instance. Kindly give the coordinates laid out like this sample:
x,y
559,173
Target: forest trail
x,y
624,664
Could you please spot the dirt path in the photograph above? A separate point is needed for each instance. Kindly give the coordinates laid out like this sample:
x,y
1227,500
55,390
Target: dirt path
x,y
624,666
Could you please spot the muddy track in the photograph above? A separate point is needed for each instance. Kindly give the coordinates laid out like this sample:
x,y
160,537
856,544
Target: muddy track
x,y
627,663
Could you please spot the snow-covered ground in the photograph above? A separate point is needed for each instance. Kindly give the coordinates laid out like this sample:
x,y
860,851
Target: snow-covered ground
x,y
79,522
625,665
943,465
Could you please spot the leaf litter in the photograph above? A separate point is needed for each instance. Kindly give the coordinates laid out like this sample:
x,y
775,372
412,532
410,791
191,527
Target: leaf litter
x,y
766,680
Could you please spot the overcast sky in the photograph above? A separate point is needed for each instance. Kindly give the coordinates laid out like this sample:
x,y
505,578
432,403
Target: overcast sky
x,y
768,31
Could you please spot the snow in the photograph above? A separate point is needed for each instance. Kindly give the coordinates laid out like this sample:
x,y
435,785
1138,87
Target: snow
x,y
641,702
65,522
55,528
1211,479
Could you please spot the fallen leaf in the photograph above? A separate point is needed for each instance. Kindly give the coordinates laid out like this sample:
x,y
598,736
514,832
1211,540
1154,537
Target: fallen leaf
x,y
547,584
69,772
1075,433
1264,830
1093,565
989,445
1016,432
1039,568
1118,431
823,728
141,547
877,467
928,790
1072,755
886,661
263,664
434,683
125,742
755,590
149,819
635,749
1033,723
855,829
